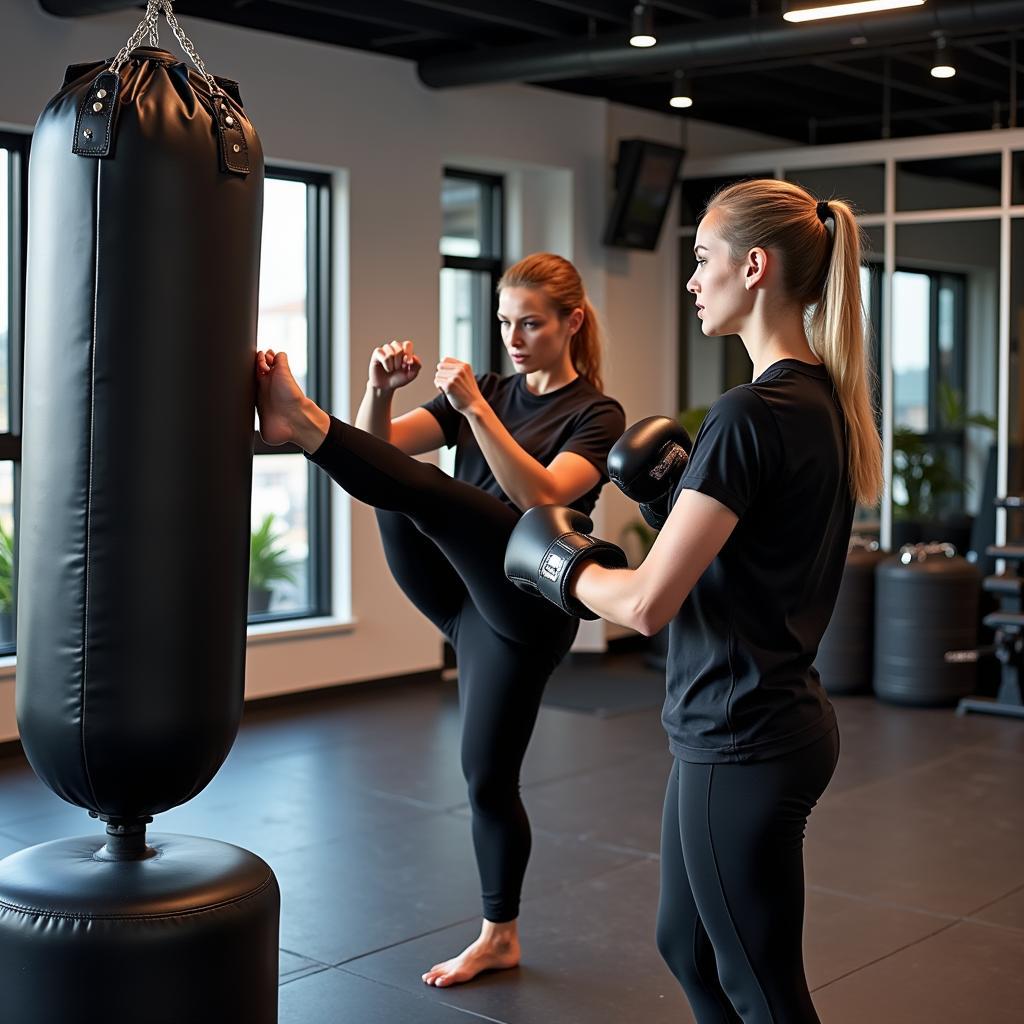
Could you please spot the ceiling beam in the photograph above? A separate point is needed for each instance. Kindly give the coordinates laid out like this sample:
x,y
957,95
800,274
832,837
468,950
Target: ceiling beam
x,y
523,15
76,8
713,44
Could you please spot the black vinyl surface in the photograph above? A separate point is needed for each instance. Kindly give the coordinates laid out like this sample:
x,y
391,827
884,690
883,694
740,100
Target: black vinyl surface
x,y
915,861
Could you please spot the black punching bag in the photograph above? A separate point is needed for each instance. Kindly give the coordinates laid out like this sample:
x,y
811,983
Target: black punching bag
x,y
145,218
143,270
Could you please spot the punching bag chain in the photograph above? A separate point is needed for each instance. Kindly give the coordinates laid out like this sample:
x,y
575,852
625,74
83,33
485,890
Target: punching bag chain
x,y
148,25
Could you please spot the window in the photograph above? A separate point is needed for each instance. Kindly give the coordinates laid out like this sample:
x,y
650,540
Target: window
x,y
289,572
471,263
928,361
13,180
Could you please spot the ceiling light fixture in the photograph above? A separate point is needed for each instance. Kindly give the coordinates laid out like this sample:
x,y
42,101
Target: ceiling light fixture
x,y
643,26
681,94
942,62
815,10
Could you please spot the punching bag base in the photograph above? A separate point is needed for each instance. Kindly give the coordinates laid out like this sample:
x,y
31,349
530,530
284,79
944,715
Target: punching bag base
x,y
188,934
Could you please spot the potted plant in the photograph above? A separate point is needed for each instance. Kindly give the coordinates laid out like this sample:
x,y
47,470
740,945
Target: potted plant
x,y
6,586
924,470
267,564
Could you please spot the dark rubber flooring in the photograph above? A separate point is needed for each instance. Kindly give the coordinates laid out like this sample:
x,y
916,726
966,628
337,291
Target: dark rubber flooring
x,y
915,861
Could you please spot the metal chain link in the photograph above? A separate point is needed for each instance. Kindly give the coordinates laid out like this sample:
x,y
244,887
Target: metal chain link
x,y
149,24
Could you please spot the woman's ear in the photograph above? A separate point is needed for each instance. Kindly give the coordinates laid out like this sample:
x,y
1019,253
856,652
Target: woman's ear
x,y
757,263
575,320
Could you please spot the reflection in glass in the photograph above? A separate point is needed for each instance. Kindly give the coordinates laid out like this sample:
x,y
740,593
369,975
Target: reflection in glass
x,y
1017,174
5,286
279,553
7,575
466,327
1015,479
283,274
863,186
949,183
467,217
944,350
697,191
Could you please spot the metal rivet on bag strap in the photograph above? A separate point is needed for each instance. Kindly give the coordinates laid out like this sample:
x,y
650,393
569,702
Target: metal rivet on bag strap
x,y
97,107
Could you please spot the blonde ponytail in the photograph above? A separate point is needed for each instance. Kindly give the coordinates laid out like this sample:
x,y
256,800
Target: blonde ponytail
x,y
820,270
837,337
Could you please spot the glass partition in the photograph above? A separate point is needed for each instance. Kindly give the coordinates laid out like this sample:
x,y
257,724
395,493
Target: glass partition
x,y
1015,476
944,362
949,183
863,186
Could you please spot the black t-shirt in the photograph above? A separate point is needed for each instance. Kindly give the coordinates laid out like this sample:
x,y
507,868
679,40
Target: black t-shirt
x,y
741,683
574,418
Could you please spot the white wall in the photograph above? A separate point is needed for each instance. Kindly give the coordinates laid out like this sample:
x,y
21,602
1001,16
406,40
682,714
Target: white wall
x,y
387,137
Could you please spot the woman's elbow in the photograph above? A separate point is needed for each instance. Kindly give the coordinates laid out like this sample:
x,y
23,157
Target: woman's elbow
x,y
648,618
643,620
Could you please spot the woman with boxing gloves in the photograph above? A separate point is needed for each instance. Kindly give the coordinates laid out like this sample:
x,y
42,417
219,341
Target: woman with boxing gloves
x,y
746,569
538,436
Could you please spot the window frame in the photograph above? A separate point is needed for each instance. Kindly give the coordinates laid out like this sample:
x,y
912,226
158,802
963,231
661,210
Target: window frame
x,y
17,145
318,377
493,241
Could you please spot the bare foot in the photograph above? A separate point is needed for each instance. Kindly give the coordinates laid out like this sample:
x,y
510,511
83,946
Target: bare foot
x,y
497,949
286,414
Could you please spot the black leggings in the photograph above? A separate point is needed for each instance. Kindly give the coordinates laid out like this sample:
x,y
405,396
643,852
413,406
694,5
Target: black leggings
x,y
444,541
730,918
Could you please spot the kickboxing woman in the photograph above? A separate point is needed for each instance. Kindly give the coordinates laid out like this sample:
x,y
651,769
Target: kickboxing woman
x,y
745,570
540,436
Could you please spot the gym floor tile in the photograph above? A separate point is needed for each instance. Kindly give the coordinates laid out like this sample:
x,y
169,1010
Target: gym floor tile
x,y
589,958
880,740
348,897
618,806
843,934
335,996
946,837
1008,911
292,966
966,973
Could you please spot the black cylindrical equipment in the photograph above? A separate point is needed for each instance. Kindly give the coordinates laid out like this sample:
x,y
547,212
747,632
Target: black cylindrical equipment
x,y
145,221
188,934
143,275
846,654
926,603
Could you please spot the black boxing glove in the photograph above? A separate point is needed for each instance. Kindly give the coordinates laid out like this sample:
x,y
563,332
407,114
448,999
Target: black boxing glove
x,y
647,463
547,547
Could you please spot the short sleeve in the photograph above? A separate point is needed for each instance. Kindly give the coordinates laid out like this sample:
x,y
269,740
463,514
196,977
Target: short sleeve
x,y
441,409
451,420
737,452
599,427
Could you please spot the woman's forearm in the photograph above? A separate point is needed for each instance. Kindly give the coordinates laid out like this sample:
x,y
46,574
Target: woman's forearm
x,y
520,476
374,415
617,595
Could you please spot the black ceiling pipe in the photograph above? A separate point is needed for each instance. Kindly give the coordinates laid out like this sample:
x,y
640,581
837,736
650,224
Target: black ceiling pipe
x,y
73,8
714,44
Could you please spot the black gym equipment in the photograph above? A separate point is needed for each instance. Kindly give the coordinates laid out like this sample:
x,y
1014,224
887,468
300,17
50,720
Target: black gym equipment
x,y
1008,623
926,603
845,655
145,217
